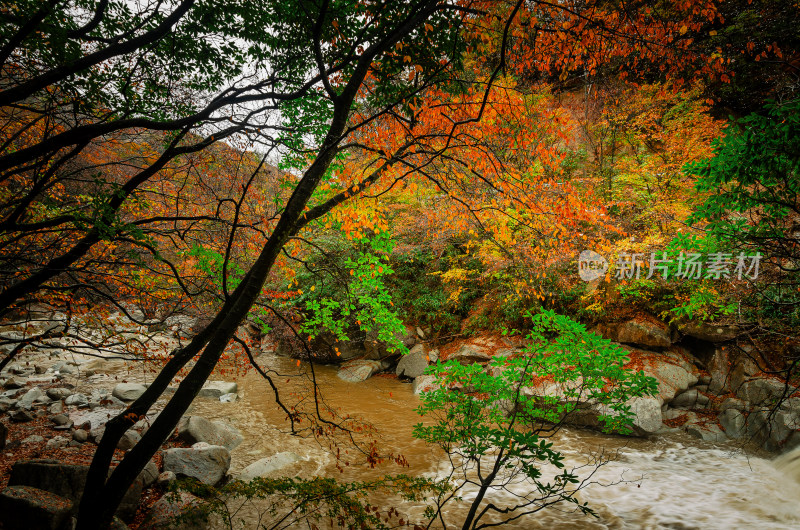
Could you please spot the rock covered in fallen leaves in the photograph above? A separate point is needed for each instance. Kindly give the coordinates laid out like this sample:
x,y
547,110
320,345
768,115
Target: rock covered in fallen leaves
x,y
66,480
27,508
173,505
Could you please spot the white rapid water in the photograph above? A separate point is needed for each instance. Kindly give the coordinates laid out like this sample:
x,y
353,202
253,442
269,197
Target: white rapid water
x,y
676,481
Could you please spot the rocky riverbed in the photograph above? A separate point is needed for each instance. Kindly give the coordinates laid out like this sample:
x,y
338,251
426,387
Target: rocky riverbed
x,y
56,399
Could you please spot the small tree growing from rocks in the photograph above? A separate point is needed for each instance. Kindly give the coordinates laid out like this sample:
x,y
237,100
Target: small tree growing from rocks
x,y
494,423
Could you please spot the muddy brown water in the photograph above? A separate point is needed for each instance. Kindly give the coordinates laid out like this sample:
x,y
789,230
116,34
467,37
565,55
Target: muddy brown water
x,y
670,482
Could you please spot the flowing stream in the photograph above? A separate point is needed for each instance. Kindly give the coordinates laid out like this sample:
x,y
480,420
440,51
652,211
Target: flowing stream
x,y
671,481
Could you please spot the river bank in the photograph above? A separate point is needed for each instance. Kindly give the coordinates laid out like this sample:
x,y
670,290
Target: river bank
x,y
678,465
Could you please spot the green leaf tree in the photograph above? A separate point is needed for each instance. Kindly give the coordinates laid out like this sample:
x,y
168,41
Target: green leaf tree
x,y
494,422
752,185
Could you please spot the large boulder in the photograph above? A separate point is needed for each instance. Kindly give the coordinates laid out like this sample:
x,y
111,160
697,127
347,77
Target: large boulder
x,y
643,333
708,331
77,400
175,510
27,508
216,389
359,370
128,391
66,480
149,474
470,354
193,429
673,370
32,397
268,465
728,373
59,393
690,399
204,462
425,383
709,432
95,418
761,392
414,363
646,415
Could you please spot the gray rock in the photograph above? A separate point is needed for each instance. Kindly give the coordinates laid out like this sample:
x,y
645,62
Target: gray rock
x,y
95,418
149,474
217,389
77,400
425,383
782,425
644,333
29,399
671,414
12,394
265,466
708,332
469,354
97,433
168,508
35,438
690,399
63,367
433,355
229,398
193,429
708,432
734,423
20,416
19,370
14,383
59,393
128,440
27,508
80,436
672,378
56,442
414,363
6,404
359,370
791,404
60,420
166,478
792,442
206,463
56,408
732,403
743,368
67,481
719,369
128,391
647,415
761,392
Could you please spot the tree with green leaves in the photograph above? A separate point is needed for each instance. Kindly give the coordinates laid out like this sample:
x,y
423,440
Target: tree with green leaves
x,y
493,423
751,185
